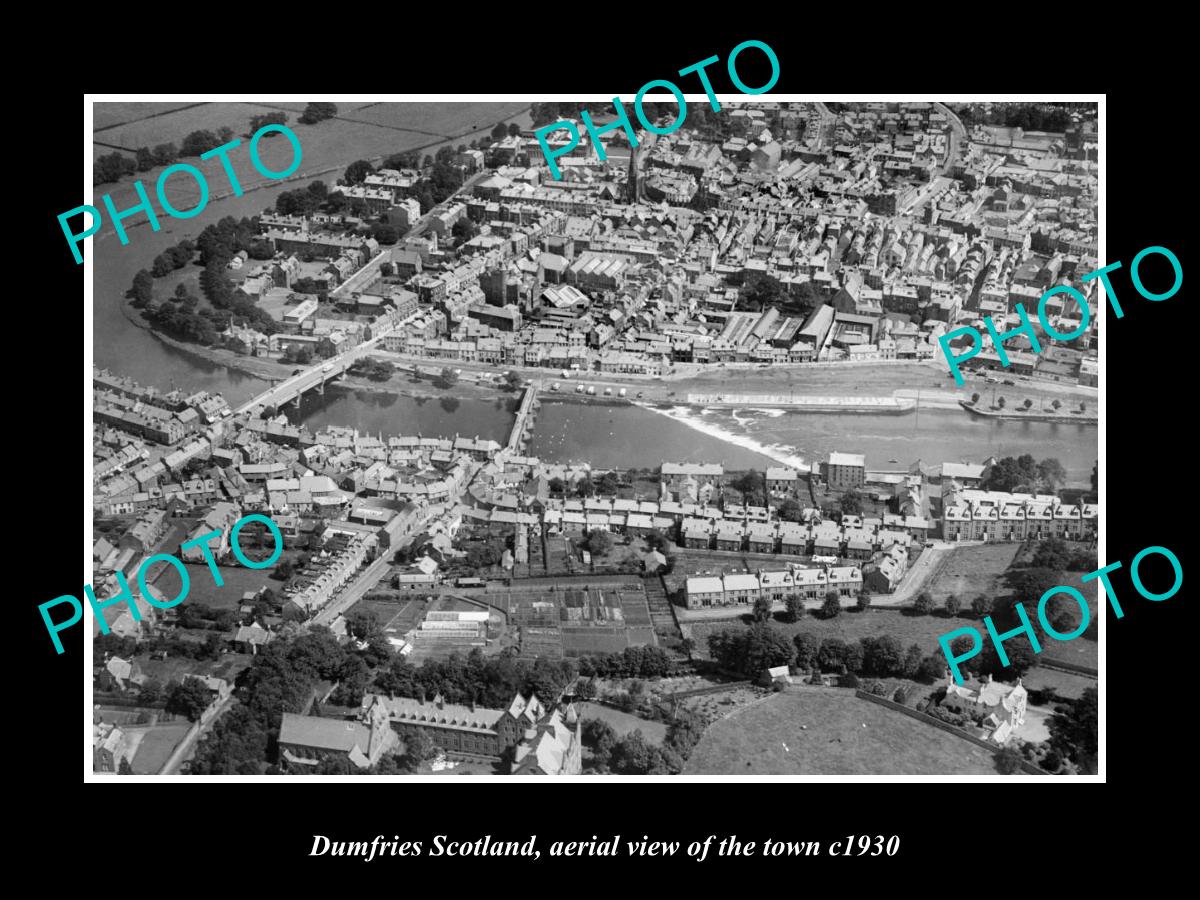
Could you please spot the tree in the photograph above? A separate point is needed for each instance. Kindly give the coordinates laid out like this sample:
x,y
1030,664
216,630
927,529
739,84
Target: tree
x,y
982,606
832,607
499,132
362,623
1028,403
975,397
425,198
124,768
795,608
600,739
807,649
851,503
1083,406
923,605
1073,730
199,142
933,667
952,606
463,230
1008,761
512,380
1030,584
145,159
418,747
513,129
318,112
357,171
790,511
599,542
762,609
142,291
112,166
275,118
911,666
557,486
864,601
750,486
449,376
1052,473
883,657
189,698
384,234
1001,402
1057,404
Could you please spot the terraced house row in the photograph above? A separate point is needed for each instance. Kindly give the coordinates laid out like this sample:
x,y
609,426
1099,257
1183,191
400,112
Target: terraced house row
x,y
997,516
744,588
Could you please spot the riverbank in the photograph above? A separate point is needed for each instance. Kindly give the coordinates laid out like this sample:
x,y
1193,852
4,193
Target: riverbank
x,y
1023,416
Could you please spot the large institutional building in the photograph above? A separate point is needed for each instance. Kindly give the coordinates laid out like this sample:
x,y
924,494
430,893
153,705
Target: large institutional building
x,y
544,741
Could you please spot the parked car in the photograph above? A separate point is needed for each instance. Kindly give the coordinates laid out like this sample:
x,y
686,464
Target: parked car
x,y
1008,381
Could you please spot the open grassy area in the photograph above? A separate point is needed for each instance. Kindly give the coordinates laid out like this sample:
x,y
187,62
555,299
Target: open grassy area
x,y
815,732
967,572
623,723
156,746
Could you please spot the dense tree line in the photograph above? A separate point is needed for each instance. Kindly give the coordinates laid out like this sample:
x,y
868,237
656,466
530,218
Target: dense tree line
x,y
275,118
1029,116
111,167
490,681
632,662
1023,474
749,651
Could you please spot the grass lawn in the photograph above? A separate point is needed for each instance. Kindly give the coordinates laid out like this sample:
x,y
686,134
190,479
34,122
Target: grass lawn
x,y
623,723
238,580
156,746
824,735
968,572
1064,684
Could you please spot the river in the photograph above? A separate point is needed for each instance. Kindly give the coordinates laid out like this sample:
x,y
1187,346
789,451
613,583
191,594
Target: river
x,y
625,436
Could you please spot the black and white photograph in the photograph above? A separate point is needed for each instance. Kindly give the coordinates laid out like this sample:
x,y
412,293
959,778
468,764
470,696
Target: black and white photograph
x,y
706,435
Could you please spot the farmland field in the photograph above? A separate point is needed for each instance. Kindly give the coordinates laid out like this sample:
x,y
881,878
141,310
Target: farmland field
x,y
819,732
330,145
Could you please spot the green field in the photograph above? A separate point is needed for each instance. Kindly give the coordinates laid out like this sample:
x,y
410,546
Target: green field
x,y
815,732
968,572
622,722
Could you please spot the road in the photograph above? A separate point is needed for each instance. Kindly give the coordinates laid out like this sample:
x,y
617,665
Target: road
x,y
188,745
363,582
314,374
958,137
370,576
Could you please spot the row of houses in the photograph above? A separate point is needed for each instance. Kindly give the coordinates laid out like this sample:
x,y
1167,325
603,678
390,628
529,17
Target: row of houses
x,y
744,588
970,515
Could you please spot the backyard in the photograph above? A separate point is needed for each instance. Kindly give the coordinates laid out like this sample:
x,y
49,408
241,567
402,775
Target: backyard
x,y
830,732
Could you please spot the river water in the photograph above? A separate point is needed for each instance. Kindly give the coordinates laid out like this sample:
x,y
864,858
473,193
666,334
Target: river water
x,y
622,436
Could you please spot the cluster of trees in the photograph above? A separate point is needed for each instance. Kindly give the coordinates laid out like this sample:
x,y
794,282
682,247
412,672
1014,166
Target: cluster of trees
x,y
199,142
201,616
318,112
173,258
1055,553
1074,731
598,542
373,369
1029,116
632,662
490,681
281,679
275,118
749,651
1023,474
188,698
160,155
752,486
463,230
633,754
111,167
